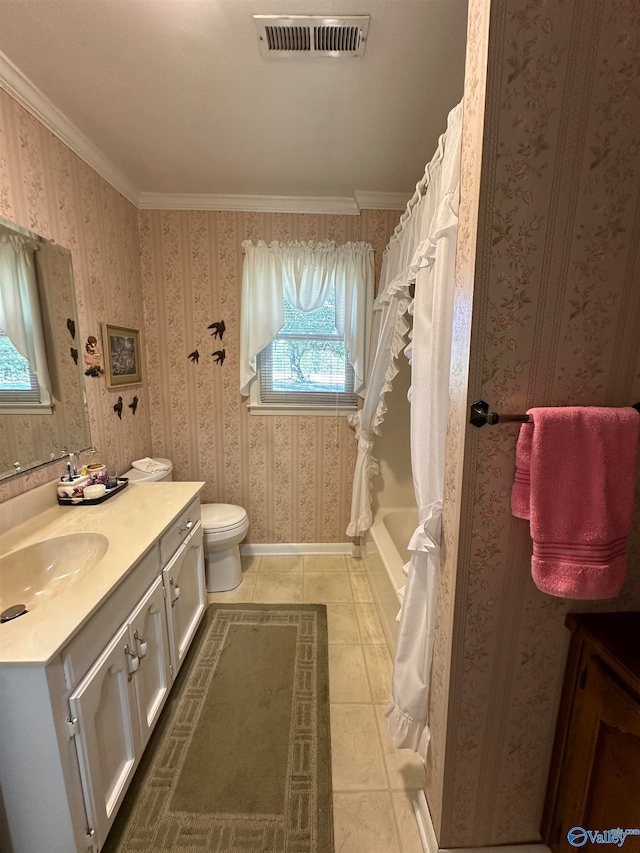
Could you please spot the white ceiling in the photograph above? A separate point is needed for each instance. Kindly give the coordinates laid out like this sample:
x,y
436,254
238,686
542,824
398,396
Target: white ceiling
x,y
175,93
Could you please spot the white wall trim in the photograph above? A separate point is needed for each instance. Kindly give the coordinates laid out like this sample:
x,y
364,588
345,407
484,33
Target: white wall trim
x,y
13,81
382,201
275,204
276,548
248,203
430,842
16,84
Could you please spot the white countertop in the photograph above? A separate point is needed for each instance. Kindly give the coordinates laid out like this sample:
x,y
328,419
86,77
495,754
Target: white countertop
x,y
132,520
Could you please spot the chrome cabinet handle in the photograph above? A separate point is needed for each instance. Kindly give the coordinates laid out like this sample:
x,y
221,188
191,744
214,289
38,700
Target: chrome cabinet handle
x,y
134,662
175,590
187,526
142,644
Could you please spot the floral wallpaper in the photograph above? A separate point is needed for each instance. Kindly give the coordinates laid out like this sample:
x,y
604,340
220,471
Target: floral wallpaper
x,y
555,319
46,188
292,474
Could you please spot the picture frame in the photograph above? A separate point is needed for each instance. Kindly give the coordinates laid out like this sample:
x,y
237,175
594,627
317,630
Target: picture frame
x,y
122,355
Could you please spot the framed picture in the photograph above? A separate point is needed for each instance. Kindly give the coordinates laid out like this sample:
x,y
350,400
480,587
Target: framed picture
x,y
122,357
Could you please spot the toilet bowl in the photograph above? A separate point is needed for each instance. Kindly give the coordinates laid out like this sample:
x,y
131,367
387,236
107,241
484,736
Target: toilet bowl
x,y
224,526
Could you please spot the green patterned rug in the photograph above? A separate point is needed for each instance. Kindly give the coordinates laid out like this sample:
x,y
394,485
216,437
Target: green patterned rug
x,y
241,757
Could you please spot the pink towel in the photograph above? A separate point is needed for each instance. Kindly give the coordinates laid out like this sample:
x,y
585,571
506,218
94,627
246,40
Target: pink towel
x,y
582,476
522,480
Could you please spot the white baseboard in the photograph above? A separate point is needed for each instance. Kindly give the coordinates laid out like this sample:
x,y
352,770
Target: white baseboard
x,y
430,842
275,548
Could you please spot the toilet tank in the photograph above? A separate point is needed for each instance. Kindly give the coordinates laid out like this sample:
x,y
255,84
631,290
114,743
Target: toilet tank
x,y
135,476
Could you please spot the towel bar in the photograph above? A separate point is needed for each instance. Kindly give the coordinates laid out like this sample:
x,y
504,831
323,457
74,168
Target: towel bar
x,y
479,415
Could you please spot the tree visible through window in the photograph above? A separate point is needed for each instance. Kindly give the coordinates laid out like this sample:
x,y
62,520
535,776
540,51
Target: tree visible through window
x,y
307,362
17,382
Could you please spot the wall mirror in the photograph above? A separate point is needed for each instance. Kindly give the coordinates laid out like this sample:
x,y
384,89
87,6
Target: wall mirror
x,y
43,410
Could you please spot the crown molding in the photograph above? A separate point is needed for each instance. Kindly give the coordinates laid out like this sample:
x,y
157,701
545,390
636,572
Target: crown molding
x,y
14,82
248,203
381,201
362,200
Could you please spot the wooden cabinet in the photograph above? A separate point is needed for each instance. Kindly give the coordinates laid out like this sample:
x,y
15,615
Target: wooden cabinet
x,y
594,782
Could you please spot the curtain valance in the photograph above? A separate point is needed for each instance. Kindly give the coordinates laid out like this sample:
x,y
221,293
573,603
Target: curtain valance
x,y
304,273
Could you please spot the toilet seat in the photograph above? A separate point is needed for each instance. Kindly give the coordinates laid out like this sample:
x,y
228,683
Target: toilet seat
x,y
218,518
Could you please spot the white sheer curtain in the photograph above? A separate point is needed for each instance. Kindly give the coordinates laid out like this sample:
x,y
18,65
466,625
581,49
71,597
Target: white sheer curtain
x,y
304,273
433,266
20,304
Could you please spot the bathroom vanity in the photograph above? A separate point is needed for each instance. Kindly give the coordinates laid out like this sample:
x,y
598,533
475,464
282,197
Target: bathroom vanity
x,y
85,674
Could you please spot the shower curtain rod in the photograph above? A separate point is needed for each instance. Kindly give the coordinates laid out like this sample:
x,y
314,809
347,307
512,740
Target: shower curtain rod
x,y
479,415
421,188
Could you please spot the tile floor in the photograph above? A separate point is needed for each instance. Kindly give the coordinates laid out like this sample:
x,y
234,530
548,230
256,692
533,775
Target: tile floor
x,y
372,781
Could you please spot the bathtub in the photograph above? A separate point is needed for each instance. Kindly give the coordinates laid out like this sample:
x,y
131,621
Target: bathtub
x,y
385,554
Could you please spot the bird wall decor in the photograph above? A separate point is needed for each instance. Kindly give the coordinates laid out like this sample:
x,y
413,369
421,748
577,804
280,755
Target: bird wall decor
x,y
133,405
118,408
72,327
219,356
74,354
218,329
194,356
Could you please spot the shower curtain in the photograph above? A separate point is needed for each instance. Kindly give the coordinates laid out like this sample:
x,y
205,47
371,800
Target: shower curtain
x,y
432,268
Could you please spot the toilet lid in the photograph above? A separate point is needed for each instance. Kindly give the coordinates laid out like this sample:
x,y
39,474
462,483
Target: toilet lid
x,y
222,516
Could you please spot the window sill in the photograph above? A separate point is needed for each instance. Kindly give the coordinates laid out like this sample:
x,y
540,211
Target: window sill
x,y
300,411
27,409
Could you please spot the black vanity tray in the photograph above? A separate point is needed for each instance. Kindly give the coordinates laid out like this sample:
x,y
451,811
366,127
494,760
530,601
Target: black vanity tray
x,y
123,482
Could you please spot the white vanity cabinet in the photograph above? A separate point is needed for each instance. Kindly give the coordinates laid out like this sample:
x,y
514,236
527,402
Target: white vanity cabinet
x,y
116,706
73,728
181,549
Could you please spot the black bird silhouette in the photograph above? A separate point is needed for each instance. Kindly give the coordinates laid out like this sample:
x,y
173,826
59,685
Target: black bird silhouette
x,y
74,354
194,356
134,405
219,356
118,408
218,329
72,327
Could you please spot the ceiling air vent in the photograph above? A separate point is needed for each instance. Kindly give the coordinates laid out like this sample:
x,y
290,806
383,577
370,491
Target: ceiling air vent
x,y
300,35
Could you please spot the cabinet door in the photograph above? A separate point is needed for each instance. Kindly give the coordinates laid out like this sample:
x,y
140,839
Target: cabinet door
x,y
107,733
602,776
148,638
185,596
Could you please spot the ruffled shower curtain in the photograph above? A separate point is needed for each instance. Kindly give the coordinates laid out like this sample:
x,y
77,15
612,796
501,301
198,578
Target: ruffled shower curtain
x,y
390,326
420,253
434,268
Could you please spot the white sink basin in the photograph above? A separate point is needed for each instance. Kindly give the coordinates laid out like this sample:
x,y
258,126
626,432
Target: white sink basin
x,y
38,572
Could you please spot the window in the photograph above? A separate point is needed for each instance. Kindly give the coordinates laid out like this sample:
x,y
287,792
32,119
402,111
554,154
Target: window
x,y
306,363
18,383
25,386
304,327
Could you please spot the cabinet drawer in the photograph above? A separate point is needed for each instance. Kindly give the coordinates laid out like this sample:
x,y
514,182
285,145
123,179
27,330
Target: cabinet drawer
x,y
85,647
179,530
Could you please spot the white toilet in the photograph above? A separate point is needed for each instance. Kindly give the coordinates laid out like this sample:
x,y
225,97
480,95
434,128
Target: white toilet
x,y
224,527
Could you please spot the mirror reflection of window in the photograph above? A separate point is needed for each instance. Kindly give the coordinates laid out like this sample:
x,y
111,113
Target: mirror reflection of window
x,y
18,383
23,351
